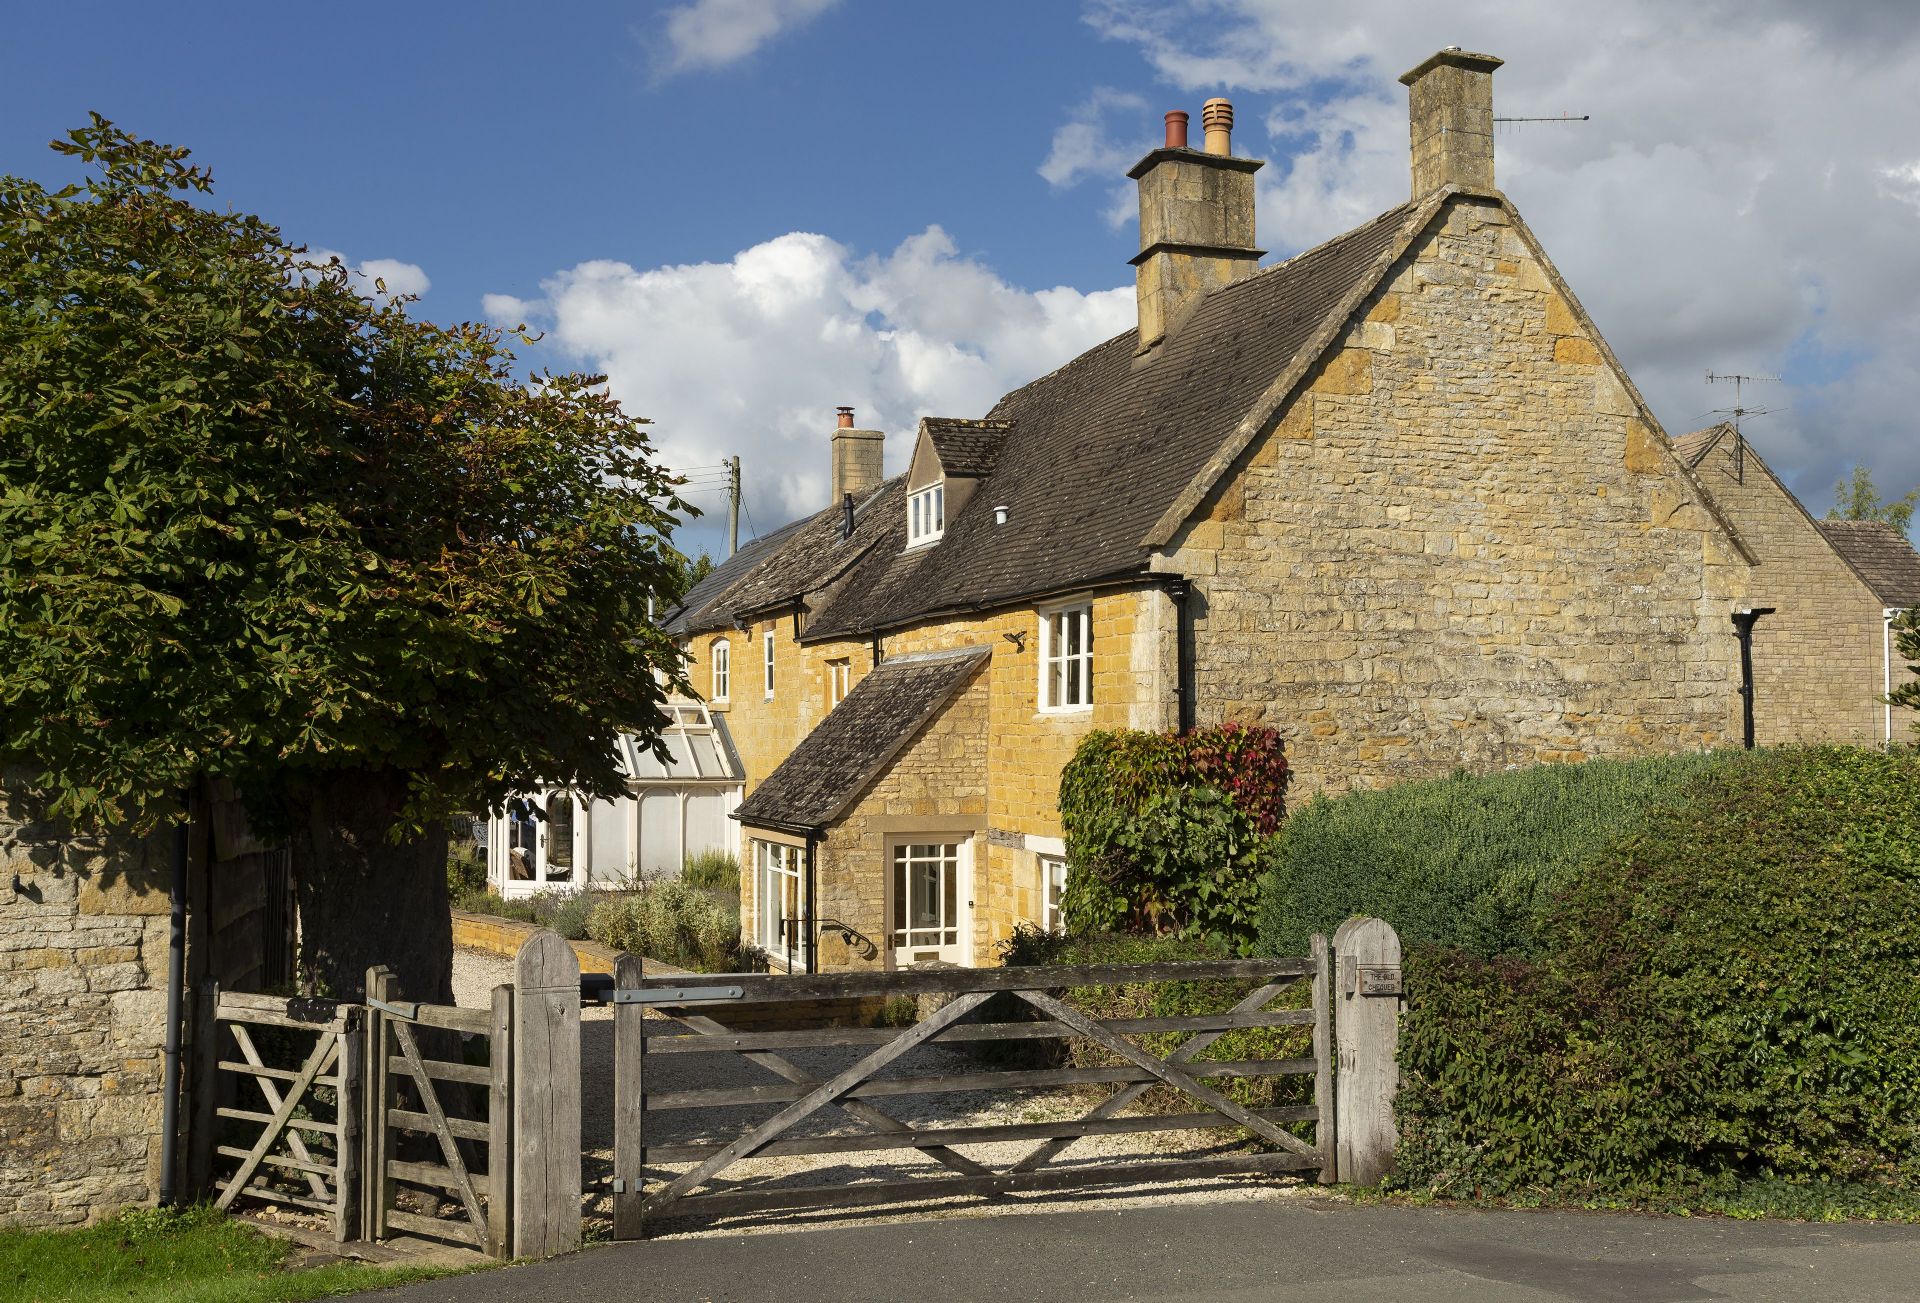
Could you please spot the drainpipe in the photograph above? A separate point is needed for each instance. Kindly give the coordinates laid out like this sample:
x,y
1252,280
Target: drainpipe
x,y
812,934
1887,615
176,982
1178,589
1743,622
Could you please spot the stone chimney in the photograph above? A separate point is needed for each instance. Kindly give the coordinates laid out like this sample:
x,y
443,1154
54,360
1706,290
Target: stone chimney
x,y
1450,114
1196,221
859,459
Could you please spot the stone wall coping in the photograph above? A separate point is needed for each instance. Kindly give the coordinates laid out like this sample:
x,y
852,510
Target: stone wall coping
x,y
504,937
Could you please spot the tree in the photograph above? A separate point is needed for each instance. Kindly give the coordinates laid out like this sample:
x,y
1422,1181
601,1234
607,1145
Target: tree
x,y
687,572
1855,498
256,525
1906,643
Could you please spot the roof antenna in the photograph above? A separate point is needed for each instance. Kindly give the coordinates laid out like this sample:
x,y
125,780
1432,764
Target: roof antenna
x,y
1561,117
1738,410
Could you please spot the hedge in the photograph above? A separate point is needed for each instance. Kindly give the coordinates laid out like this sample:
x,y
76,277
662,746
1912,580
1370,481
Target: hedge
x,y
1464,861
1727,998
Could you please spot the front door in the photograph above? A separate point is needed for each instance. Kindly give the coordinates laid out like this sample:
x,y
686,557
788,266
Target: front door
x,y
930,909
557,841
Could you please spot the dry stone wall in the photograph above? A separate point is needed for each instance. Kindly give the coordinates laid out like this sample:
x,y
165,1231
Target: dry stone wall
x,y
1464,544
83,947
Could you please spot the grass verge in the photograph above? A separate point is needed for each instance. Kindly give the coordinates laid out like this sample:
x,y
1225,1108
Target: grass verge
x,y
192,1255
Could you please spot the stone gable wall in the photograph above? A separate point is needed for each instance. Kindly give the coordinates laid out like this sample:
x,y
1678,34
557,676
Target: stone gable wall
x,y
1463,545
1818,671
83,952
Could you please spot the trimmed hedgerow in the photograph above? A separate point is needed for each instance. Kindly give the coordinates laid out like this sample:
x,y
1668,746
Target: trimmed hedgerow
x,y
1728,1001
1170,833
1462,861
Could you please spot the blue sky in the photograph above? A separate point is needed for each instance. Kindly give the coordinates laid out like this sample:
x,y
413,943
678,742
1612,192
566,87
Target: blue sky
x,y
748,211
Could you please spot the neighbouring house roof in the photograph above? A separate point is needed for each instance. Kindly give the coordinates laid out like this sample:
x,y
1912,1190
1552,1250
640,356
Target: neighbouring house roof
x,y
1882,556
1091,457
1692,447
966,447
858,739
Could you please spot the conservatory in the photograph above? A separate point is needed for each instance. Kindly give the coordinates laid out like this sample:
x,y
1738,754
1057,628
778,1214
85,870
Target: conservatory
x,y
556,839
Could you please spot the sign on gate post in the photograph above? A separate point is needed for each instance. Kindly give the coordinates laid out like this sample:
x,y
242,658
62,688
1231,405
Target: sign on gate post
x,y
546,1098
1368,998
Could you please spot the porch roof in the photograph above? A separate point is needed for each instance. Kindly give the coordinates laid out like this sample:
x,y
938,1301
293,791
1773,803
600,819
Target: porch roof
x,y
858,739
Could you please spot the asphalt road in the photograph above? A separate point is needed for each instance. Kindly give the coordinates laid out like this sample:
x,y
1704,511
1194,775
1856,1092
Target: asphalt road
x,y
1273,1250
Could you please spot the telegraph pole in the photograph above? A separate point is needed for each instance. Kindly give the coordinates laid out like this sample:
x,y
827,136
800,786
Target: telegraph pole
x,y
733,504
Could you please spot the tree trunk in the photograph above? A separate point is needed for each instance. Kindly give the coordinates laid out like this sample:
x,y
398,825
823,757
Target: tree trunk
x,y
365,899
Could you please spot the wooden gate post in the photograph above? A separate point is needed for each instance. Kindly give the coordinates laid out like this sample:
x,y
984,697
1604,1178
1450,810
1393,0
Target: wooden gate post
x,y
500,1125
546,1098
376,1094
1326,1124
1367,1004
629,1103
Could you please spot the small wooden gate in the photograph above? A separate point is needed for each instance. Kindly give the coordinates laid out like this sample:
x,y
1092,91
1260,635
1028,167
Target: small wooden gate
x,y
290,1069
460,1106
694,1025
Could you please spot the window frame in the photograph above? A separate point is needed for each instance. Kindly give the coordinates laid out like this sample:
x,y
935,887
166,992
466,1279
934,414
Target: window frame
x,y
766,662
839,680
927,514
955,892
787,945
1052,914
1051,657
720,669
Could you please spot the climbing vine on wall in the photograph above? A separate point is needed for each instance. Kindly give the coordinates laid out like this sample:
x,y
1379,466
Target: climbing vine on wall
x,y
1171,832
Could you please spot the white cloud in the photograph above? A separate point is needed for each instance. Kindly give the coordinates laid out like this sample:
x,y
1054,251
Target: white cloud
x,y
750,356
709,34
1744,198
369,277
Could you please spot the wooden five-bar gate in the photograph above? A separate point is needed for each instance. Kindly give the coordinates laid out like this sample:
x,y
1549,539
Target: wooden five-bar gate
x,y
1007,1005
463,1125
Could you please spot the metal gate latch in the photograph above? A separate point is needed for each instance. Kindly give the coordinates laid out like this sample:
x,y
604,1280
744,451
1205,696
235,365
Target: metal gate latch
x,y
676,994
407,1009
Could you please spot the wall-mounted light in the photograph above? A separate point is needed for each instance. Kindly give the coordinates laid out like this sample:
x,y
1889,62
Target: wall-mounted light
x,y
1018,639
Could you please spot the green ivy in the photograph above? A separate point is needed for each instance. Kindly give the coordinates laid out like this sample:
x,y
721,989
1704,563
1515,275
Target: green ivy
x,y
1170,833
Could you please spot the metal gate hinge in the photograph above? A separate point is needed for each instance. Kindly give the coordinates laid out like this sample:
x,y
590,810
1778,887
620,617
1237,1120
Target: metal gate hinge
x,y
674,994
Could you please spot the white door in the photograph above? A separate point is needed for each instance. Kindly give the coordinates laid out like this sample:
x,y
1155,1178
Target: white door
x,y
559,839
929,889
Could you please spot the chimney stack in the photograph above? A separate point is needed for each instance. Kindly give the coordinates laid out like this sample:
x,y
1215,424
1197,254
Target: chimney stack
x,y
1196,221
859,459
1450,120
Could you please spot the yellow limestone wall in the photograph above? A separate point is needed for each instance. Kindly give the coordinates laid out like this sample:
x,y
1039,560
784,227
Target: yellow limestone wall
x,y
1818,671
1500,561
1020,750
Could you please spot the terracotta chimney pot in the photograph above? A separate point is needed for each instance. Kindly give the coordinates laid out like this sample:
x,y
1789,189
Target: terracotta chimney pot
x,y
1177,129
1217,116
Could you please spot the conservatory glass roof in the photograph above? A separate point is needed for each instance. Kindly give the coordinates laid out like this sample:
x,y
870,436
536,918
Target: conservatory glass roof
x,y
698,749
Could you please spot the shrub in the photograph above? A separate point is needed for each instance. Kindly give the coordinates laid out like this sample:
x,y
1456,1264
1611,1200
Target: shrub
x,y
566,912
712,870
485,902
1171,832
466,871
671,922
1462,861
1726,1002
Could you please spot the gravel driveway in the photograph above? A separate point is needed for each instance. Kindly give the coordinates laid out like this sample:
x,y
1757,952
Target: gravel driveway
x,y
475,974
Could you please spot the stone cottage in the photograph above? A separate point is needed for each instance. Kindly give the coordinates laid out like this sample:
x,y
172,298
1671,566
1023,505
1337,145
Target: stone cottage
x,y
1394,497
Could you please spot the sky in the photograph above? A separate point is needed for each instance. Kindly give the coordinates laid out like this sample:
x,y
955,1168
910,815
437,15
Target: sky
x,y
748,212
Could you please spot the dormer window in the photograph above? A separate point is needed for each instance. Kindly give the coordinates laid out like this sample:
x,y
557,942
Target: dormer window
x,y
926,514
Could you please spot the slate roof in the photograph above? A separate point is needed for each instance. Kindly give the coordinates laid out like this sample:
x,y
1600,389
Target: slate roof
x,y
966,447
1882,555
1092,456
1101,448
859,738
